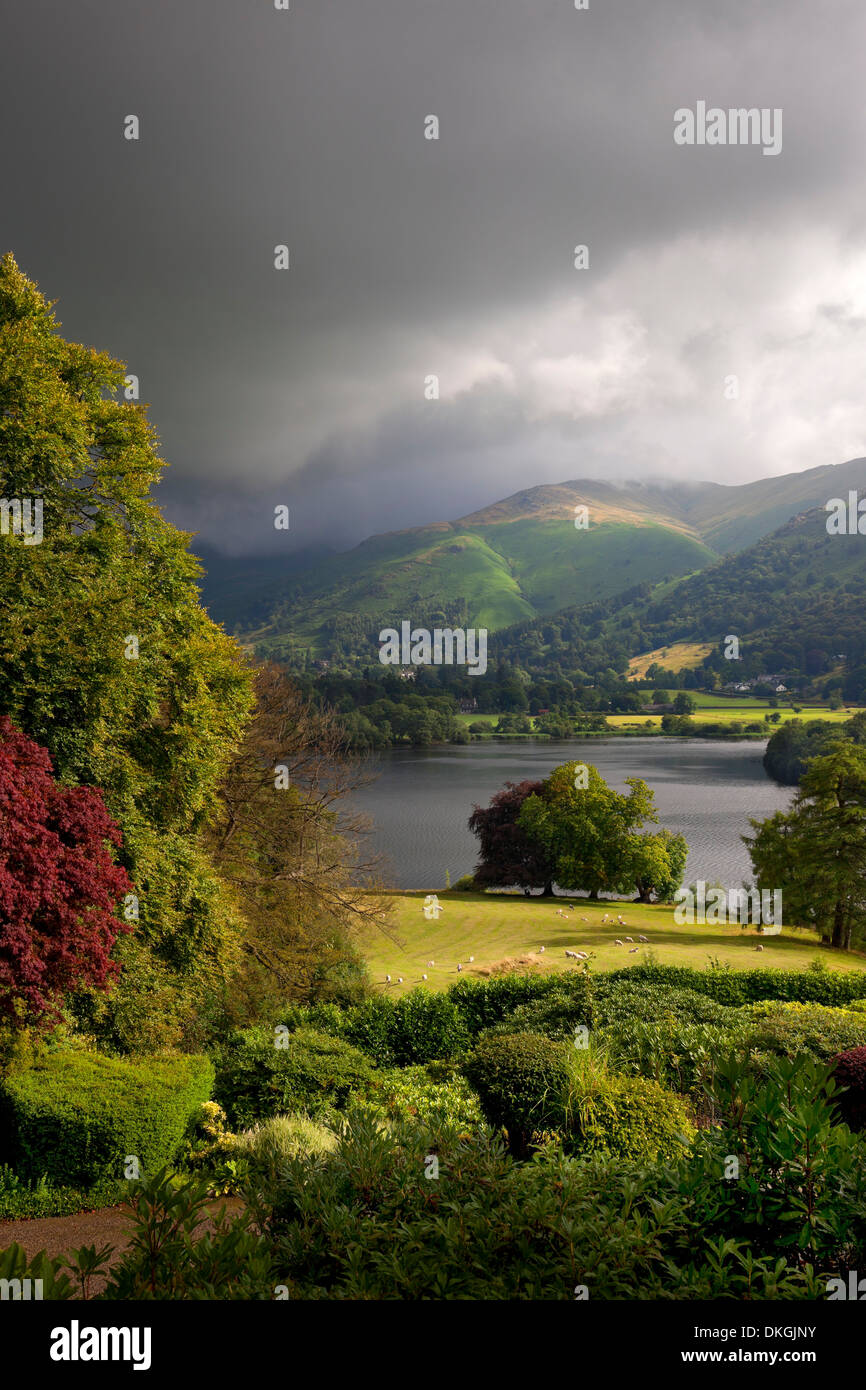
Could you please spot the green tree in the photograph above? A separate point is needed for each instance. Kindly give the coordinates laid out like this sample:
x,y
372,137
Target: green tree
x,y
683,703
106,655
657,864
586,832
816,852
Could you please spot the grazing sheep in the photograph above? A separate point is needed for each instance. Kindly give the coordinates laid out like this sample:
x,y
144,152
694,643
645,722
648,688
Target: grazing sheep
x,y
643,938
633,950
399,979
759,948
387,979
431,962
541,948
459,967
471,959
582,955
617,942
571,955
629,938
584,919
423,977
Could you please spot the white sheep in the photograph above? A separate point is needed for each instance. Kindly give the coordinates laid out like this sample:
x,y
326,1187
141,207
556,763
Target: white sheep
x,y
617,942
643,938
387,979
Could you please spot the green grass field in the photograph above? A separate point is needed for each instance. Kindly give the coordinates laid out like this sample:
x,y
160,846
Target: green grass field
x,y
491,927
712,709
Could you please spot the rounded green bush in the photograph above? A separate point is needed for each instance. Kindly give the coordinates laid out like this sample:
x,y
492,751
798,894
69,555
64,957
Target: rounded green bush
x,y
521,1080
262,1072
626,1117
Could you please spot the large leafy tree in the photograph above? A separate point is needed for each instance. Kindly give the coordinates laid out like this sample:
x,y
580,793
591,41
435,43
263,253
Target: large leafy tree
x,y
106,656
286,841
587,832
816,852
59,884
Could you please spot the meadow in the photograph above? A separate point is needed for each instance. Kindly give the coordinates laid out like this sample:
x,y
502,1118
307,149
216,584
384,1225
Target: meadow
x,y
714,709
495,927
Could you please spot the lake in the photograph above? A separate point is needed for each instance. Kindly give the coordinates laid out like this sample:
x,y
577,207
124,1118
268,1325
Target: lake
x,y
706,790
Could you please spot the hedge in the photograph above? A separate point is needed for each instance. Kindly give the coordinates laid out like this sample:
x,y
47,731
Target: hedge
x,y
737,987
76,1117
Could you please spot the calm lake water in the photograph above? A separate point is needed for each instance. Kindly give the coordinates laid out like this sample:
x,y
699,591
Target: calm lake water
x,y
423,798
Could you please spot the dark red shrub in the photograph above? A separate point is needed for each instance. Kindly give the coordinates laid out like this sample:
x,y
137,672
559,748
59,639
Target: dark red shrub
x,y
849,1069
59,886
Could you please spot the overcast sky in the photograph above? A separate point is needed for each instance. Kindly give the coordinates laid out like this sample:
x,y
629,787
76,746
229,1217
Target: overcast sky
x,y
411,257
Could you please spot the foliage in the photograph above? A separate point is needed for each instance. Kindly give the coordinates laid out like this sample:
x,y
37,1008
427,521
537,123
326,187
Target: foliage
x,y
21,1198
508,855
849,1074
816,984
776,1170
284,841
814,852
77,1117
107,658
626,1117
521,1080
657,864
789,1028
433,1095
262,1073
490,1228
588,833
59,886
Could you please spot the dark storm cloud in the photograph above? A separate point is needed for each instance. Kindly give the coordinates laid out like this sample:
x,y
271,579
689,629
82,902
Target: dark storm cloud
x,y
451,257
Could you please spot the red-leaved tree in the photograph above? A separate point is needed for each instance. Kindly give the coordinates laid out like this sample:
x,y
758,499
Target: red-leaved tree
x,y
59,885
508,856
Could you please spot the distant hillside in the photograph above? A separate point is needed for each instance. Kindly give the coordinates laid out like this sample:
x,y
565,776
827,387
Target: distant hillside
x,y
522,559
796,600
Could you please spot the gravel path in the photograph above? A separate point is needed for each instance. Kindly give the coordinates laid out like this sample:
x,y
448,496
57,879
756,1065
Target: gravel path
x,y
106,1226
